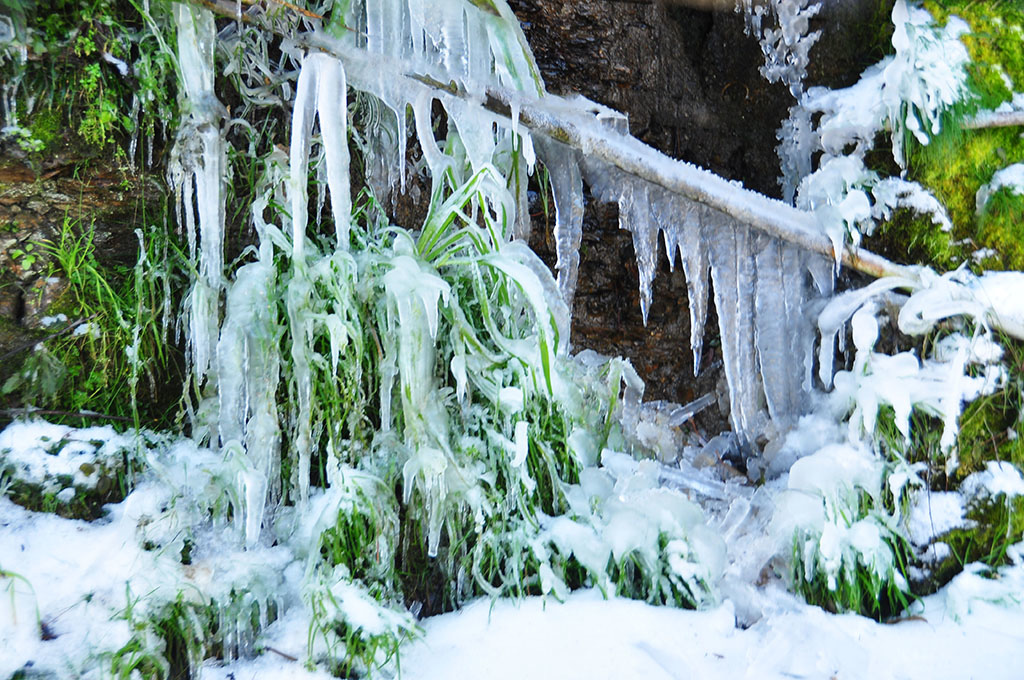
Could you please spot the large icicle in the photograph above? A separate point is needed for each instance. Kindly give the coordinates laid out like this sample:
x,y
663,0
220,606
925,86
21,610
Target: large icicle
x,y
248,369
681,226
320,92
733,270
567,187
635,216
196,172
778,327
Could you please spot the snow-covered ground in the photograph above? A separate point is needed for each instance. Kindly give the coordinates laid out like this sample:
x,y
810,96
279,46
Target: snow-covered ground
x,y
71,593
589,637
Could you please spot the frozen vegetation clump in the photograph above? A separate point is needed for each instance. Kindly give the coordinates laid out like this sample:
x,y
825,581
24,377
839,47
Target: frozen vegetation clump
x,y
906,93
785,42
385,420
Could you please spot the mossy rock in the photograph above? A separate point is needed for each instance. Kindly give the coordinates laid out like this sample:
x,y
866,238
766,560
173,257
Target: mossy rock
x,y
958,162
995,43
69,476
991,428
993,525
911,237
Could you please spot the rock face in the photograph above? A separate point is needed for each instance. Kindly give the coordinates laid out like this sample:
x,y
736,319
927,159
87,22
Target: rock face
x,y
689,81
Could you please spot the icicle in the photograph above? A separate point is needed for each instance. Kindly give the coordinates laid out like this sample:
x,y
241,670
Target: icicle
x,y
248,370
320,91
681,225
453,42
437,162
823,272
197,172
332,111
780,327
733,271
567,188
635,215
522,225
478,46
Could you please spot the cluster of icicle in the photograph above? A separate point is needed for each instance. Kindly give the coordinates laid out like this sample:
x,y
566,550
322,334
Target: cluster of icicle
x,y
236,357
397,51
786,41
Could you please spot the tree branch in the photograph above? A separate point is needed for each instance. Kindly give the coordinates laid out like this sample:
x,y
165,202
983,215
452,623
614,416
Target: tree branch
x,y
996,119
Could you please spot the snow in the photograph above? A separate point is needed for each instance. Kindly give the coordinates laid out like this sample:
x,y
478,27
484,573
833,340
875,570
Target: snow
x,y
933,514
1010,178
222,503
997,478
589,637
77,579
38,452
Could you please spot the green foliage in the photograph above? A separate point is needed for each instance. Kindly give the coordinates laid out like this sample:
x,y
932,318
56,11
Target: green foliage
x,y
910,237
957,162
861,590
73,79
991,427
954,166
994,43
165,645
120,320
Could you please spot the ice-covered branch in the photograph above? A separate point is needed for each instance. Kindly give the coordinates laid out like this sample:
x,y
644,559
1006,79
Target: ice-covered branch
x,y
565,121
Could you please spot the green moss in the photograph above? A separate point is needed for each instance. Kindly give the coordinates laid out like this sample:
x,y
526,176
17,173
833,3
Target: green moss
x,y
1001,228
73,78
45,126
954,166
957,162
994,526
910,237
990,430
995,43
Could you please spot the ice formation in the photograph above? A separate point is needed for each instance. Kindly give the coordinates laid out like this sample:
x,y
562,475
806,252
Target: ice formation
x,y
461,399
787,45
762,287
908,92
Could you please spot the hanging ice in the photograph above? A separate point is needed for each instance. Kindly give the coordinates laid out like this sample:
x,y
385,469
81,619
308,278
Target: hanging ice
x,y
196,174
567,188
786,47
733,271
681,226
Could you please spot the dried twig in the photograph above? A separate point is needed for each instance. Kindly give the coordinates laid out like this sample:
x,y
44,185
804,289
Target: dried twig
x,y
281,654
